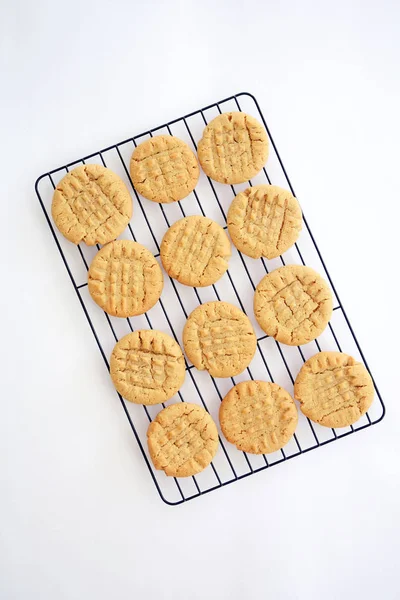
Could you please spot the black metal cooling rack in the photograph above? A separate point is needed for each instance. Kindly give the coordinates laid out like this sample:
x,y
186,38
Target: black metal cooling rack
x,y
273,361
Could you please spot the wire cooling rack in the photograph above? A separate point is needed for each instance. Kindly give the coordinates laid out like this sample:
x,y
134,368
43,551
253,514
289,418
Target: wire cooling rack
x,y
273,361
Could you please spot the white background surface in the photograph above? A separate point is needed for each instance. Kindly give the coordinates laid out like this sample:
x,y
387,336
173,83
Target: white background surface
x,y
80,517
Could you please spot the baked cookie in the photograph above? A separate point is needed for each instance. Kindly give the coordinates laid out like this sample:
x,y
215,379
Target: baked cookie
x,y
125,279
234,148
164,169
195,251
147,367
182,439
258,417
220,338
293,304
91,204
264,220
333,389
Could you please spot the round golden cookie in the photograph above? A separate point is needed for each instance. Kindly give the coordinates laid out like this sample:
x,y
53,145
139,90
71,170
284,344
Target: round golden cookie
x,y
293,304
182,439
258,417
164,169
195,251
264,220
234,148
147,367
91,204
220,338
125,279
333,389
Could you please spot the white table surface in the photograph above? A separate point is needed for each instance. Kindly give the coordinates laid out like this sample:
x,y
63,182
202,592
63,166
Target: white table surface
x,y
80,517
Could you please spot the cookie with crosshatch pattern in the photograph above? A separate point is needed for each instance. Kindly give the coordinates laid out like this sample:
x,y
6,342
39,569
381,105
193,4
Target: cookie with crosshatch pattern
x,y
182,439
264,220
234,148
91,204
195,251
164,169
258,417
219,338
334,389
293,304
147,367
125,279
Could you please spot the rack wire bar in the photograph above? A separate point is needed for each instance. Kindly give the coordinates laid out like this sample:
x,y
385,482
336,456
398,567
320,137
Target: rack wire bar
x,y
273,361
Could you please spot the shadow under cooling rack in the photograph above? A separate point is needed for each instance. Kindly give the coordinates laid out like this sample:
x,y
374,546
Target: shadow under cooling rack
x,y
273,361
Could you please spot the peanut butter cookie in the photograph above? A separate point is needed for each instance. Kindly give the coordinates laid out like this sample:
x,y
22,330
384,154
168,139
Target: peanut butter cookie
x,y
147,367
234,148
125,279
182,439
293,304
258,417
195,251
334,389
91,204
264,220
220,338
164,169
